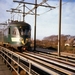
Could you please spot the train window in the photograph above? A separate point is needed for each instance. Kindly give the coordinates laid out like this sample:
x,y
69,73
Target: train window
x,y
9,31
23,31
15,31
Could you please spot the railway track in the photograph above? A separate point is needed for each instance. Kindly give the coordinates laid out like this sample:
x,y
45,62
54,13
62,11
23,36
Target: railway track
x,y
61,65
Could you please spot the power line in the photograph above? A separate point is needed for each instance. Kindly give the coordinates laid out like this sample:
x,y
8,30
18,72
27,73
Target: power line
x,y
55,8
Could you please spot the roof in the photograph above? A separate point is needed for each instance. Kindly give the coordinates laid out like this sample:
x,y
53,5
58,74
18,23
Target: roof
x,y
70,40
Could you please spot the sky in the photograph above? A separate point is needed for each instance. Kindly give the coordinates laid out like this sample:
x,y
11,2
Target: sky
x,y
47,23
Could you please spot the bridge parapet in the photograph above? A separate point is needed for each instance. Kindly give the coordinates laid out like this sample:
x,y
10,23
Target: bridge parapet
x,y
11,58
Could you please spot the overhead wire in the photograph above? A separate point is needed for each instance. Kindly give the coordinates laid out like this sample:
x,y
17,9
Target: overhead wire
x,y
19,6
53,8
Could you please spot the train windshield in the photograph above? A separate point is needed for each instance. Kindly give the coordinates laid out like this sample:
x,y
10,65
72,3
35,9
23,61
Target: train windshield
x,y
15,31
24,31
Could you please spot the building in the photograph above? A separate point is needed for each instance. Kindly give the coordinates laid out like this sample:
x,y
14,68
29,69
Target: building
x,y
70,42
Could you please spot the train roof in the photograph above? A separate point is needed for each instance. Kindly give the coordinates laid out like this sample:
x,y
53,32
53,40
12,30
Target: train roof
x,y
19,23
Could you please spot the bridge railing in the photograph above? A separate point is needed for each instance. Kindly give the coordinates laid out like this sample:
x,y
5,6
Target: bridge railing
x,y
23,63
11,58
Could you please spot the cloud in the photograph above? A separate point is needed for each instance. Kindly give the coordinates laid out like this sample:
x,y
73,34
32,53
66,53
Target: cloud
x,y
47,23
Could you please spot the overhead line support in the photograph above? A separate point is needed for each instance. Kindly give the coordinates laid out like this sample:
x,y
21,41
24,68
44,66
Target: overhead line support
x,y
59,35
34,4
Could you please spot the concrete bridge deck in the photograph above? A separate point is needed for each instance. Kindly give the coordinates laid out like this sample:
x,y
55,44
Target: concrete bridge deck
x,y
4,70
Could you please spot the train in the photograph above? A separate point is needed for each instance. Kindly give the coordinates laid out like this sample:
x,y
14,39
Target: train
x,y
17,35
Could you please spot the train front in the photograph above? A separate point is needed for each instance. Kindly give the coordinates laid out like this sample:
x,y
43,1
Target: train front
x,y
25,34
21,35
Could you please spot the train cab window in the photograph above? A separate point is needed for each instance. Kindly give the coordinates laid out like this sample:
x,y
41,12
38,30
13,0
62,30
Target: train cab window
x,y
23,31
9,31
14,31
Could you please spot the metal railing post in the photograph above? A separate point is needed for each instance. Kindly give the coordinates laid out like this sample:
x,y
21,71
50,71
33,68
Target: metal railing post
x,y
30,68
17,65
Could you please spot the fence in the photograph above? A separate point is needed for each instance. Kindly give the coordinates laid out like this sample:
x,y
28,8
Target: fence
x,y
10,57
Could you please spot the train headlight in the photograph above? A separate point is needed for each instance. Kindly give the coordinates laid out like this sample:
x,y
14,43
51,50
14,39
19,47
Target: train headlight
x,y
22,41
15,39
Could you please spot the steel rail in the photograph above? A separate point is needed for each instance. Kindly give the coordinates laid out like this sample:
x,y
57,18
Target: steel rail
x,y
55,56
67,65
52,58
47,64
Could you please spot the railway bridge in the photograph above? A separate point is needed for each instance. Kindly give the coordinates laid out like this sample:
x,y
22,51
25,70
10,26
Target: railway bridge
x,y
37,63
